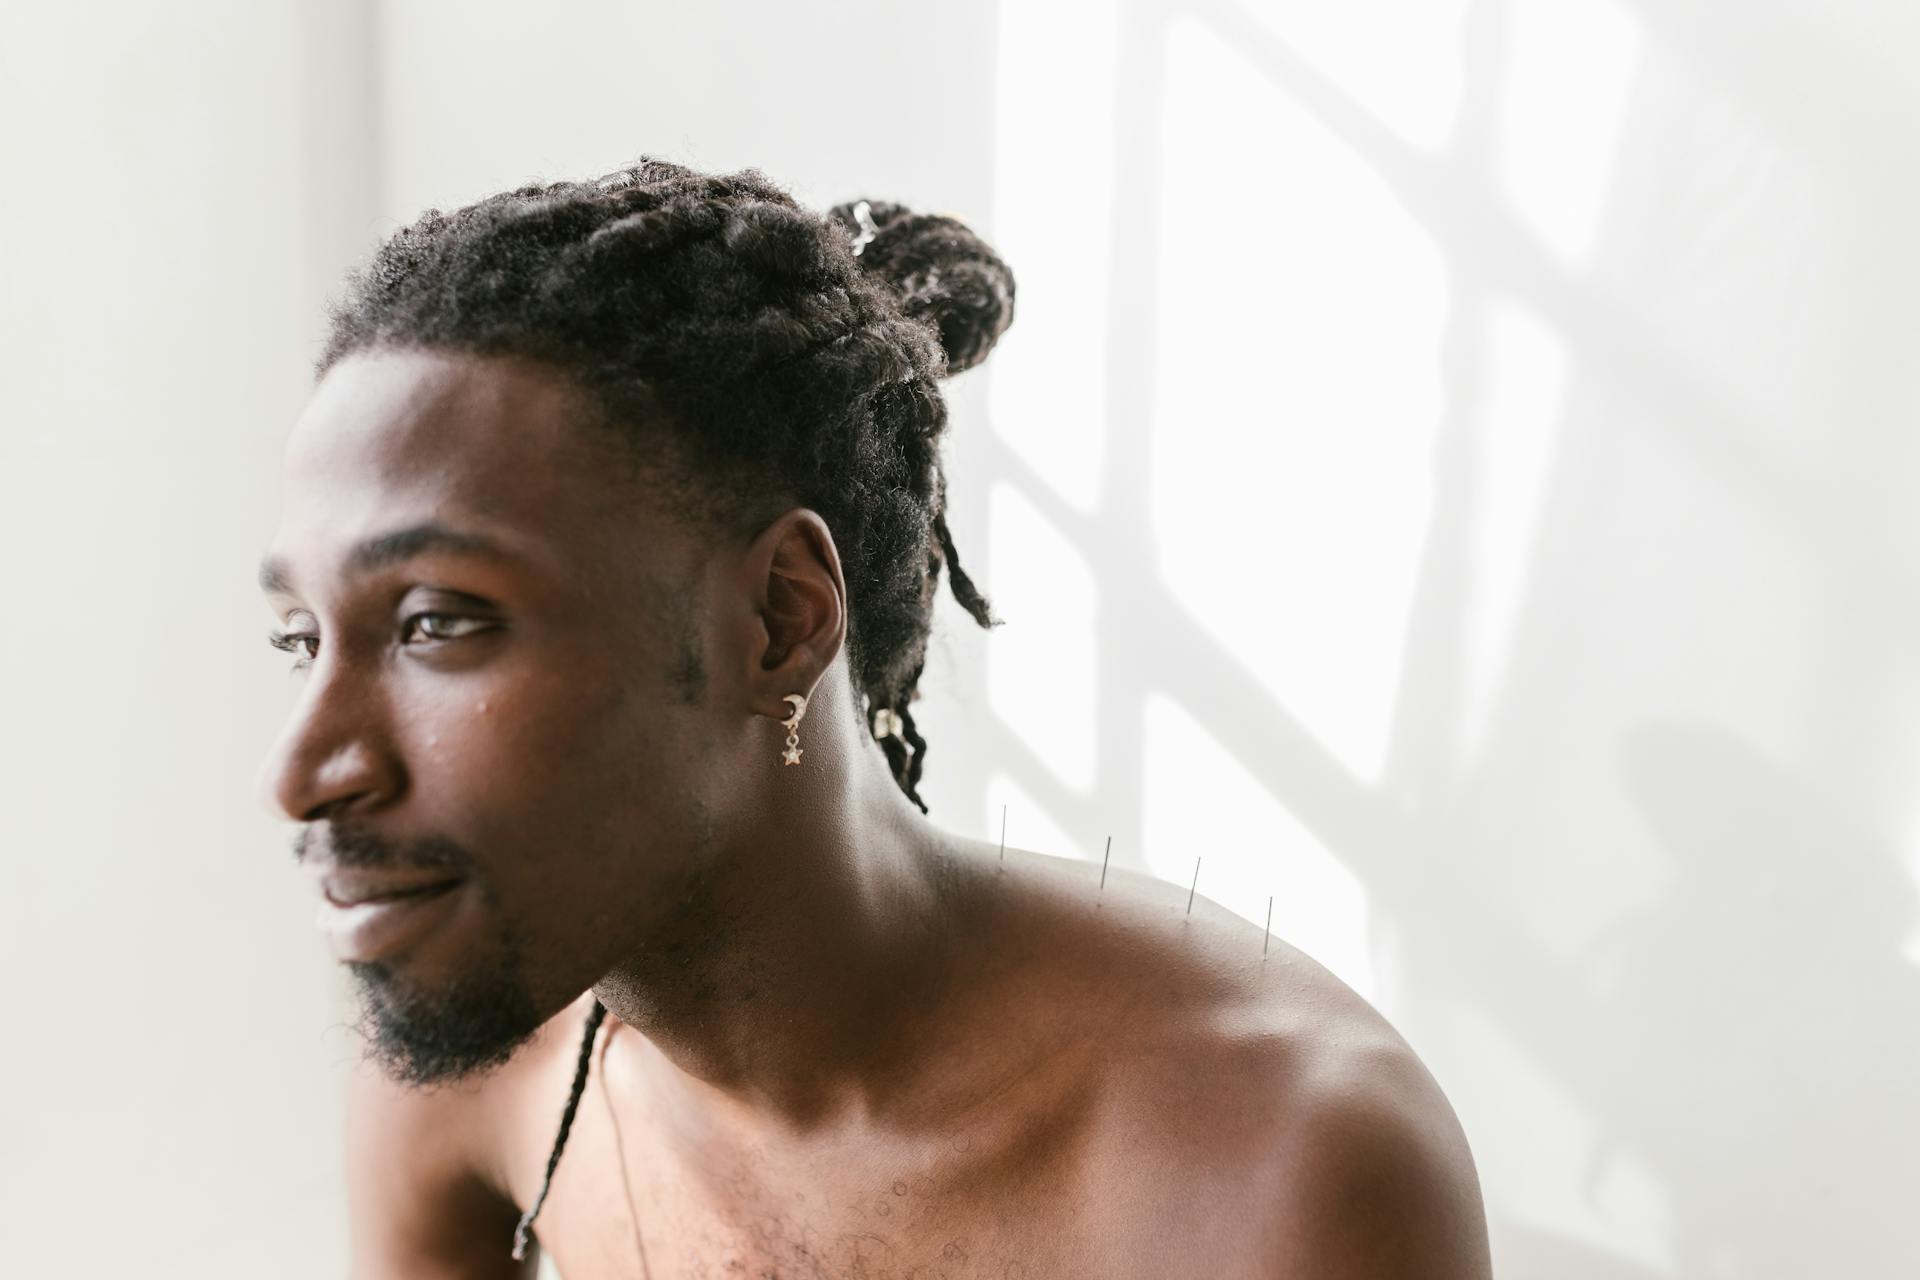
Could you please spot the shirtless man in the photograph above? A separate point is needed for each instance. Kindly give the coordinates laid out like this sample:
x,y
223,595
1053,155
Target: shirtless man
x,y
595,477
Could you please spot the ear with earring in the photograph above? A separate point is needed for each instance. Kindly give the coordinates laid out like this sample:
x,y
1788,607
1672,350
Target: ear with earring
x,y
799,701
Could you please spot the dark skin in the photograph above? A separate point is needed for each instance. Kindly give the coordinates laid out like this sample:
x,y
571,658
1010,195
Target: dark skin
x,y
840,1041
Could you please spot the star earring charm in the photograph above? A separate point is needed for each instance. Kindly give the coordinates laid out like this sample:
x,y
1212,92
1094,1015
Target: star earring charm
x,y
792,754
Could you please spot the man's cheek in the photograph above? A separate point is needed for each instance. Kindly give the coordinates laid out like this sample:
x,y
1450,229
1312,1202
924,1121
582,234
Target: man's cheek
x,y
528,733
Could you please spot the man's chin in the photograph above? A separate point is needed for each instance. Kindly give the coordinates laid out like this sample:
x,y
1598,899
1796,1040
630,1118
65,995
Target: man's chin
x,y
446,1035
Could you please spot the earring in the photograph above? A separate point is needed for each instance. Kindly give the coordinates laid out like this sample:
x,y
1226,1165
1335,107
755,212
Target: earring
x,y
792,754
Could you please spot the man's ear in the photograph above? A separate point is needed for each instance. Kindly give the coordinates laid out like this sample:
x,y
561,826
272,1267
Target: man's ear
x,y
800,598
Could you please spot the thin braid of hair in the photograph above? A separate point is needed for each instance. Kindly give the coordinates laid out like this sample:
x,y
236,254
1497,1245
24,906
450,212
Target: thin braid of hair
x,y
898,758
906,761
919,745
522,1232
963,589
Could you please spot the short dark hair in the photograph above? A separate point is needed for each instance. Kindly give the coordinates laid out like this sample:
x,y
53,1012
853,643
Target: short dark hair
x,y
758,354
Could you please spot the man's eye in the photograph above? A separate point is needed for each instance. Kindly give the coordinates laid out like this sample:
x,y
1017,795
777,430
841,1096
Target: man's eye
x,y
296,642
442,626
433,626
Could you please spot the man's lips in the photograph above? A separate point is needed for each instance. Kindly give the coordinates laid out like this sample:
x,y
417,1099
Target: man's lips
x,y
378,915
351,886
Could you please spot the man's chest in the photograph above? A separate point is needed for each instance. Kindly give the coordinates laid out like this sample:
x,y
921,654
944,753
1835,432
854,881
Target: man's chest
x,y
620,1208
1067,1177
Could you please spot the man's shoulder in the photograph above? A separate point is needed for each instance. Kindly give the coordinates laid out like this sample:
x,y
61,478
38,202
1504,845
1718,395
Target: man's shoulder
x,y
1314,1139
1167,974
1325,1132
1375,1176
436,1174
1253,1071
1249,1093
481,1127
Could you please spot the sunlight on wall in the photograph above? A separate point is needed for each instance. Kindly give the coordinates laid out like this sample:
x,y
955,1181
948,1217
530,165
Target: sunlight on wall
x,y
1053,178
1526,374
1400,62
1570,66
1297,396
1201,802
1040,671
1568,1183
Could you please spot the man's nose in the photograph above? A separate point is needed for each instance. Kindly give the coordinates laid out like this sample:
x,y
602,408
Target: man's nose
x,y
332,756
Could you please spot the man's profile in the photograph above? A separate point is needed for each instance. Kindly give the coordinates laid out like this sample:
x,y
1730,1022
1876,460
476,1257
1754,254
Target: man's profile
x,y
608,549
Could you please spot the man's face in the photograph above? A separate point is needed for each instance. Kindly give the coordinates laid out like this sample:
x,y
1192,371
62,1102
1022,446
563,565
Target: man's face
x,y
506,741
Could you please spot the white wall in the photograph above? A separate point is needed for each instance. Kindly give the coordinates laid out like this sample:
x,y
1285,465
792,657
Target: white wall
x,y
1450,469
176,183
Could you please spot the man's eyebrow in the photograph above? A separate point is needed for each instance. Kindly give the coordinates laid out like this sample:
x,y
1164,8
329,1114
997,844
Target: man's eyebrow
x,y
392,548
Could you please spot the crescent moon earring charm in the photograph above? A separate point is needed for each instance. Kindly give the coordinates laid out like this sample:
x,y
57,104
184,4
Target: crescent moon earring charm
x,y
792,754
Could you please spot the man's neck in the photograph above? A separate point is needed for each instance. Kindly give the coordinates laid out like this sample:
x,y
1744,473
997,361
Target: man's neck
x,y
792,974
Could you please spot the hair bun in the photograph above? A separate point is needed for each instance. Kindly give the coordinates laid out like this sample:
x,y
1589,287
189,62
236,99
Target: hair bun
x,y
940,272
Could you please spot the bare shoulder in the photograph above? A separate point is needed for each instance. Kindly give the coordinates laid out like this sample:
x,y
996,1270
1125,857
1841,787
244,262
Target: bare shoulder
x,y
1255,1100
1342,1154
1375,1176
429,1189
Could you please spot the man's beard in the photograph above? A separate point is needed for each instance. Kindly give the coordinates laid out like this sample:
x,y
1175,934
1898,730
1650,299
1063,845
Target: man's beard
x,y
427,1036
446,1034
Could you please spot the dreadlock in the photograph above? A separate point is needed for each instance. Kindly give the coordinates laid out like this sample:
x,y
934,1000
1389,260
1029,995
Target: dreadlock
x,y
757,354
595,1016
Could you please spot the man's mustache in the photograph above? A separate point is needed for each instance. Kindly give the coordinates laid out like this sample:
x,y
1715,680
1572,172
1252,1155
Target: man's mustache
x,y
351,845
